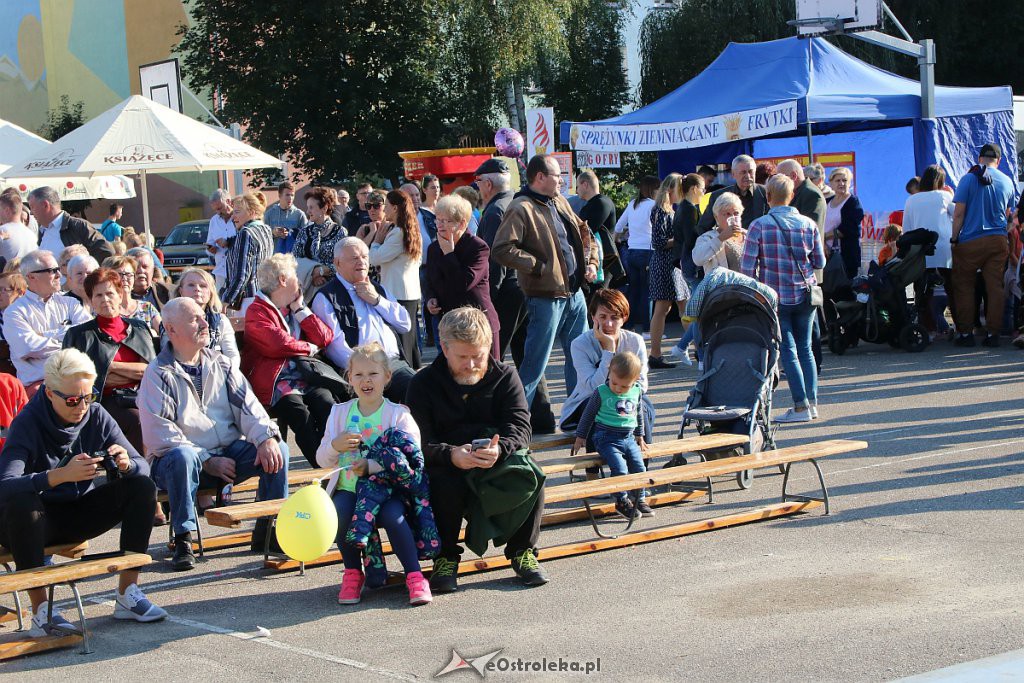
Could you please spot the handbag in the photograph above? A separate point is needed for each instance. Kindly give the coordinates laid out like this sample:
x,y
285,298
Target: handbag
x,y
813,291
317,373
833,275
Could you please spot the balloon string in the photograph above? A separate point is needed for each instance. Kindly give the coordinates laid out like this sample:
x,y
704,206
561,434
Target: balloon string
x,y
333,472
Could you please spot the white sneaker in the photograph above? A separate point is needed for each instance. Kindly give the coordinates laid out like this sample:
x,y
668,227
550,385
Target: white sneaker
x,y
794,416
814,411
135,605
58,625
677,355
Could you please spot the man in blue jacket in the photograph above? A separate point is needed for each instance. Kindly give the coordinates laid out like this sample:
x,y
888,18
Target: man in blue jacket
x,y
68,474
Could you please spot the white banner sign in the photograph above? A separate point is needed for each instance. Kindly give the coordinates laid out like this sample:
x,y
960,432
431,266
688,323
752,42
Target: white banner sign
x,y
587,159
540,131
753,123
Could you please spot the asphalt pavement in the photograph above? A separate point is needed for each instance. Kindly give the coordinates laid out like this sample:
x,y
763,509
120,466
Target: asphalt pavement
x,y
917,568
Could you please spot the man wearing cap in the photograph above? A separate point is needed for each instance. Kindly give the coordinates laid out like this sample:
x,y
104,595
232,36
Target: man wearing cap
x,y
979,240
494,182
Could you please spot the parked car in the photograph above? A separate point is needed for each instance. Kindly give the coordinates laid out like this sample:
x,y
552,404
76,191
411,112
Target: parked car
x,y
185,247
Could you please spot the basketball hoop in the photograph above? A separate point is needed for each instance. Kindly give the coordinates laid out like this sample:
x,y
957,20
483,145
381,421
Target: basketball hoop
x,y
827,24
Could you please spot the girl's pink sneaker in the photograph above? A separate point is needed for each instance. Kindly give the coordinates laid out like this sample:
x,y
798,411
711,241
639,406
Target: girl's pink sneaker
x,y
419,589
351,586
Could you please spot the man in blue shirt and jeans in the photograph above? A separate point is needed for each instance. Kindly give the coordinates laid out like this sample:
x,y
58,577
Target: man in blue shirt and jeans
x,y
980,243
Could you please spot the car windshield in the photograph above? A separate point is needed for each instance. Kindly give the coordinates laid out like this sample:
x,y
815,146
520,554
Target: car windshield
x,y
186,234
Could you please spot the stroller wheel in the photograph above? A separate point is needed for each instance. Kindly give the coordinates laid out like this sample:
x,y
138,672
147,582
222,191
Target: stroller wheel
x,y
745,479
914,338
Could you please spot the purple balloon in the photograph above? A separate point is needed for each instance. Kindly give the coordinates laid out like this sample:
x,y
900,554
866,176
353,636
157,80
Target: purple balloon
x,y
509,142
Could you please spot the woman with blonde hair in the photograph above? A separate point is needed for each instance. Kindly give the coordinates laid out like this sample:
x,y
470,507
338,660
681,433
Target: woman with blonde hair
x,y
199,285
842,221
254,242
666,280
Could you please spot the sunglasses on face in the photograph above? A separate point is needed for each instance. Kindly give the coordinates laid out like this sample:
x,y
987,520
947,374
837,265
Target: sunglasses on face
x,y
73,401
52,271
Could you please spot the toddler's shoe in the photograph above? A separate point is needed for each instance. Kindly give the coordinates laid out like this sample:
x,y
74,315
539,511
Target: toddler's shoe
x,y
351,587
643,508
419,589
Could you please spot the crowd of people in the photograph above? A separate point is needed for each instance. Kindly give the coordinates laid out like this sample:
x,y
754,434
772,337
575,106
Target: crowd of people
x,y
128,383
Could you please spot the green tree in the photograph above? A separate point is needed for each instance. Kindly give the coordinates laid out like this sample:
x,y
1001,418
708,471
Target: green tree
x,y
64,119
340,87
586,82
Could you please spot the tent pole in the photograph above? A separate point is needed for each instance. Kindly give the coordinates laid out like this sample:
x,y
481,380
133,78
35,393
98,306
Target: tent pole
x,y
807,100
145,205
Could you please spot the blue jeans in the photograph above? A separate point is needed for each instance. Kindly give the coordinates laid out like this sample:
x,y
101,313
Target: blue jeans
x,y
564,319
179,472
620,452
638,262
391,517
797,356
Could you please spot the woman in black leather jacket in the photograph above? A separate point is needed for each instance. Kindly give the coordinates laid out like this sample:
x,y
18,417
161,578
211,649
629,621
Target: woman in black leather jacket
x,y
119,347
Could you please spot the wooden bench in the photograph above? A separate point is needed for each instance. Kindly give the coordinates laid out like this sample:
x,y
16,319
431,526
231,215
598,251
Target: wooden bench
x,y
48,577
70,550
233,516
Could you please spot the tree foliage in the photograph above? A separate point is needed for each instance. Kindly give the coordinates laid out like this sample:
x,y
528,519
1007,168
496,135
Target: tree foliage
x,y
586,81
64,119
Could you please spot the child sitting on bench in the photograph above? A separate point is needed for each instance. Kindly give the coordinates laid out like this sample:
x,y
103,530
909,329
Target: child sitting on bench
x,y
356,432
612,419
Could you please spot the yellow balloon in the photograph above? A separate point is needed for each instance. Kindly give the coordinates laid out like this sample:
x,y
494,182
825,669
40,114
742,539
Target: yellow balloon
x,y
307,524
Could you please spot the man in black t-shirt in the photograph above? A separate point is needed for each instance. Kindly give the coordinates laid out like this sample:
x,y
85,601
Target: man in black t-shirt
x,y
599,213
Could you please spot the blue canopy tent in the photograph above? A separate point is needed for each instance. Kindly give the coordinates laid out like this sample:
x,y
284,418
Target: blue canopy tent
x,y
760,98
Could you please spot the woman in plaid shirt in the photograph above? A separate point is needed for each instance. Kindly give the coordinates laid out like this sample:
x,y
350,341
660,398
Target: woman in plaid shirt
x,y
782,250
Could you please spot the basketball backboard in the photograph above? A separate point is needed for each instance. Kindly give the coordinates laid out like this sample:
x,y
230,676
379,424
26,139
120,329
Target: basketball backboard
x,y
825,17
161,82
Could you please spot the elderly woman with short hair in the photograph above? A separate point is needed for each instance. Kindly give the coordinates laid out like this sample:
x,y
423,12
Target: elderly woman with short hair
x,y
723,246
199,285
316,239
120,347
782,250
53,489
78,268
127,268
278,329
458,266
842,221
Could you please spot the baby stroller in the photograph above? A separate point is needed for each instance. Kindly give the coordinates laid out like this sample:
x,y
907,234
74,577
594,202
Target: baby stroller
x,y
875,308
739,340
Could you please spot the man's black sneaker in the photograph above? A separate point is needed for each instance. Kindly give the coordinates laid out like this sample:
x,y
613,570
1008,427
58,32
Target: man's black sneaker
x,y
444,578
183,558
527,568
991,341
644,509
624,507
659,363
964,340
259,538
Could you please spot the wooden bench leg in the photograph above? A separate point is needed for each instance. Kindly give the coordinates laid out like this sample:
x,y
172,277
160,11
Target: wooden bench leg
x,y
680,459
597,530
786,496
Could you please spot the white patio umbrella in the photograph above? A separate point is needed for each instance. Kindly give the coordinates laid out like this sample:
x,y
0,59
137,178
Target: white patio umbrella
x,y
141,136
16,143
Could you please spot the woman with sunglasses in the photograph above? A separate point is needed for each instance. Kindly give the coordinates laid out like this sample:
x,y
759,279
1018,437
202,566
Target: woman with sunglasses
x,y
138,309
67,475
120,348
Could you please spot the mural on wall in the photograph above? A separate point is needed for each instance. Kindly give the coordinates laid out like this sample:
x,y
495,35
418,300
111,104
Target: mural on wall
x,y
91,50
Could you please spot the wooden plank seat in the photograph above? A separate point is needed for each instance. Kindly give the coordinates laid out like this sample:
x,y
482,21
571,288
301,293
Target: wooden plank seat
x,y
67,573
69,550
232,516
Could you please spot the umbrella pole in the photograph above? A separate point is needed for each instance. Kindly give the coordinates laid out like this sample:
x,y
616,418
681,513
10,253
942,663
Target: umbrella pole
x,y
145,206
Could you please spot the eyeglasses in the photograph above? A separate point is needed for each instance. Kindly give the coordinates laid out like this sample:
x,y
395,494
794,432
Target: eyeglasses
x,y
52,271
8,290
362,193
126,275
73,401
